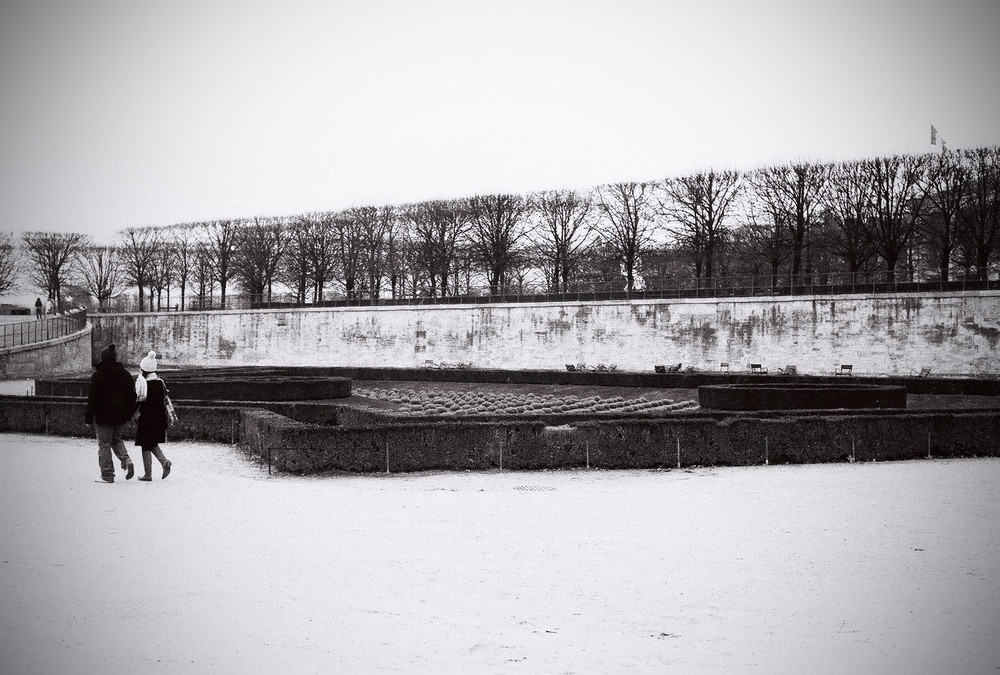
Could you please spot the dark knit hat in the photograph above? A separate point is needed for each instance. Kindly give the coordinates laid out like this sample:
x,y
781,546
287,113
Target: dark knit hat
x,y
109,353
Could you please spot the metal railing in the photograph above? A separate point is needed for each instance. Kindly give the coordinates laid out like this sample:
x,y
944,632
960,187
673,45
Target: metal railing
x,y
718,287
47,327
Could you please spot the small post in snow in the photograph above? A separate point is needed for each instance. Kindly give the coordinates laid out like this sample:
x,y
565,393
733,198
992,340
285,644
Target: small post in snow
x,y
387,457
586,445
678,452
928,445
767,459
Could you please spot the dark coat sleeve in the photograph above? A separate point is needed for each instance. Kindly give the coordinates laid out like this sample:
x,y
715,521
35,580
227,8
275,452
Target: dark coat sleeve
x,y
92,395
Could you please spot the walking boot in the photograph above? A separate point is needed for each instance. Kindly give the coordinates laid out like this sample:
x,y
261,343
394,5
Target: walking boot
x,y
129,469
166,469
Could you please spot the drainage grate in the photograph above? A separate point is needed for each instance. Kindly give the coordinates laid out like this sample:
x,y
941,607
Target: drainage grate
x,y
535,488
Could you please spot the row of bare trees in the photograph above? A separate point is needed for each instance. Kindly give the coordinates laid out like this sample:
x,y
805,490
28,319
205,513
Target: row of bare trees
x,y
928,212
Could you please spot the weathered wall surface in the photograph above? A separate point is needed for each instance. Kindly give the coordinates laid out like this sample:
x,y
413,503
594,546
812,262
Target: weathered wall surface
x,y
59,356
957,333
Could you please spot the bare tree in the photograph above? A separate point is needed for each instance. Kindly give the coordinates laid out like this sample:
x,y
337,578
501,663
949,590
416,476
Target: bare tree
x,y
698,204
310,256
220,246
627,227
496,234
565,219
766,237
947,186
10,263
102,273
392,260
203,276
350,228
260,245
162,275
983,205
51,256
377,230
848,201
137,253
793,195
184,245
295,269
897,197
437,227
601,267
321,252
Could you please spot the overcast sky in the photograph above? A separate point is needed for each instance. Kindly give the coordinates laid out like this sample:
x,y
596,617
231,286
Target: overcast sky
x,y
118,113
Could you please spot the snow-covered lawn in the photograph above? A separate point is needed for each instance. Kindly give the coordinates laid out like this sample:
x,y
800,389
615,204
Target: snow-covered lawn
x,y
847,568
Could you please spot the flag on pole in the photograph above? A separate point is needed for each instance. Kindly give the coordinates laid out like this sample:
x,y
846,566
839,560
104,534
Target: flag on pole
x,y
933,135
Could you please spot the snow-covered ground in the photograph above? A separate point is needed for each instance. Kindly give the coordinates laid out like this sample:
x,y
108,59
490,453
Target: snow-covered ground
x,y
889,567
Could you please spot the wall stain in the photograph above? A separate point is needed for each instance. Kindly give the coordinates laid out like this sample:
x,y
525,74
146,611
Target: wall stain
x,y
641,316
226,348
989,332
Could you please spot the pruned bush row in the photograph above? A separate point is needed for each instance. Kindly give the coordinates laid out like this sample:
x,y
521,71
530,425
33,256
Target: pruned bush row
x,y
669,442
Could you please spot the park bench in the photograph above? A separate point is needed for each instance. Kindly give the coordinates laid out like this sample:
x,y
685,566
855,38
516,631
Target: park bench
x,y
660,368
757,369
570,367
724,366
788,370
845,369
924,372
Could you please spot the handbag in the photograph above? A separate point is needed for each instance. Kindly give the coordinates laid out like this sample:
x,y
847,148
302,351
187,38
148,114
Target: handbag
x,y
168,407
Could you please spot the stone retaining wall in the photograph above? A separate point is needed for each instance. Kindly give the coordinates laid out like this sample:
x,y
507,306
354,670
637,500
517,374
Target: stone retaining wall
x,y
951,332
69,354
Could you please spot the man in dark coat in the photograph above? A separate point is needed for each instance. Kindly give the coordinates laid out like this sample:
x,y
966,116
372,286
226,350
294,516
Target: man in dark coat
x,y
110,406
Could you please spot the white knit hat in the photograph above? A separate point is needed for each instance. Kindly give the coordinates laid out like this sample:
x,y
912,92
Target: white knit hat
x,y
149,363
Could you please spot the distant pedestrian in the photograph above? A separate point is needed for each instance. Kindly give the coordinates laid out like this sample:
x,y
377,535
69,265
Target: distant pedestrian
x,y
38,308
151,430
110,405
48,306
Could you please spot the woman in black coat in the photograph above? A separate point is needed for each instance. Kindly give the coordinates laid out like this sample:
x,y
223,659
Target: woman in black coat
x,y
151,429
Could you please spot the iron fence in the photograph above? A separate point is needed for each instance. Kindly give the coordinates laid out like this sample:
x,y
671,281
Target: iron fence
x,y
721,287
676,288
41,329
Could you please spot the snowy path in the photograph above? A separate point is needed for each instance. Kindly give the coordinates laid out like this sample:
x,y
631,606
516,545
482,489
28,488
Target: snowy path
x,y
889,567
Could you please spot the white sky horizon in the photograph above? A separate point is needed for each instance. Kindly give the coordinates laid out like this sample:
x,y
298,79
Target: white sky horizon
x,y
119,115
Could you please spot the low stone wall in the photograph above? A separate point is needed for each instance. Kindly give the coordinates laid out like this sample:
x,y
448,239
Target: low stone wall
x,y
59,356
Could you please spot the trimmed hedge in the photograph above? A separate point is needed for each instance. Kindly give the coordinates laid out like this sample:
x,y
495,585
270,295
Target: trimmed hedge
x,y
645,379
193,387
523,444
811,396
64,417
623,444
